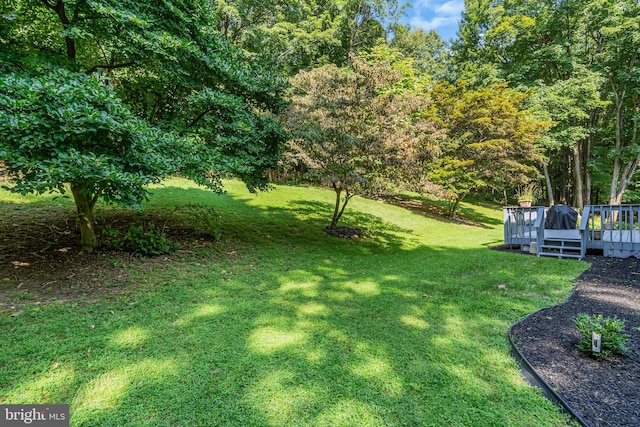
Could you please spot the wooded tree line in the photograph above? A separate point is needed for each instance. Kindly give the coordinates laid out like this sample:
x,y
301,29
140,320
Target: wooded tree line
x,y
103,97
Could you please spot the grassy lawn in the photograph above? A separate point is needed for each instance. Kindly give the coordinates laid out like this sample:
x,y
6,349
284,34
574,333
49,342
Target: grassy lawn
x,y
279,324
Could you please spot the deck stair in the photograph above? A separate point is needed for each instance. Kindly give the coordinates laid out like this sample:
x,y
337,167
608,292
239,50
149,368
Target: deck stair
x,y
562,244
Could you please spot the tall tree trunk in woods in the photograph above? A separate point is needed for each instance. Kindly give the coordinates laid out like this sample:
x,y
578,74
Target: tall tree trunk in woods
x,y
547,180
85,204
577,175
620,179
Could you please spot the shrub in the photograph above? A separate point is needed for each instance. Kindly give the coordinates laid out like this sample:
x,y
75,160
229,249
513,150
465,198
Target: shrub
x,y
613,340
142,242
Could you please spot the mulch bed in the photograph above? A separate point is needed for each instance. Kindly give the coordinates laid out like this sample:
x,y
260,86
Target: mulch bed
x,y
601,392
344,232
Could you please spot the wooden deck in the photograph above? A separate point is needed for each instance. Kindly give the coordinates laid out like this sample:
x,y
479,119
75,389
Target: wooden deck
x,y
610,228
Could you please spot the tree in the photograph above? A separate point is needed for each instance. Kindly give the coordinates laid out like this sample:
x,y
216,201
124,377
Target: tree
x,y
120,94
574,106
428,51
569,44
349,132
64,128
301,35
491,140
614,28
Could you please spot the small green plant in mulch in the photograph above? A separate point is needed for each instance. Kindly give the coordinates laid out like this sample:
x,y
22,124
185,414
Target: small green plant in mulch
x,y
611,329
142,240
202,218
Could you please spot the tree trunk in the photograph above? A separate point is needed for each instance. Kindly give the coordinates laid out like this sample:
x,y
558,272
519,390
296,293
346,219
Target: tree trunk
x,y
577,175
338,211
85,204
547,180
621,179
617,161
453,208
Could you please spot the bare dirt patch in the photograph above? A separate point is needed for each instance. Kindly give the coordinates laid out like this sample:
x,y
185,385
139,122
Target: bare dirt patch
x,y
40,261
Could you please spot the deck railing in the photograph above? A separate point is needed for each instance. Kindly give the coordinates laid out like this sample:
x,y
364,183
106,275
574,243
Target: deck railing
x,y
614,229
520,224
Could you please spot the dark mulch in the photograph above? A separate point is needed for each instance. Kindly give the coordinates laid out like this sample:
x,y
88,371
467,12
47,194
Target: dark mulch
x,y
602,392
344,232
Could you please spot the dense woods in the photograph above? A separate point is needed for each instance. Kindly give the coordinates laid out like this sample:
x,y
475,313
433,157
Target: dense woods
x,y
104,97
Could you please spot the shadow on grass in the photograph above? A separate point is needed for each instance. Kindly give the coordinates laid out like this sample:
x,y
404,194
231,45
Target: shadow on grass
x,y
304,329
438,209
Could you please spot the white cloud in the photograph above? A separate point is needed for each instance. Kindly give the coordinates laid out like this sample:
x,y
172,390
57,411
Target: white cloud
x,y
450,9
435,14
433,24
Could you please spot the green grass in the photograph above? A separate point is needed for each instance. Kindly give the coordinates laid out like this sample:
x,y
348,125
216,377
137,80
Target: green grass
x,y
280,324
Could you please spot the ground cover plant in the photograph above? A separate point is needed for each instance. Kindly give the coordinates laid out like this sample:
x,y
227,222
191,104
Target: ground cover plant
x,y
274,322
611,329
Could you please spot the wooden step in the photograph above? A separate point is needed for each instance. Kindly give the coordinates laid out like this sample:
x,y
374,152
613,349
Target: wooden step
x,y
561,255
562,248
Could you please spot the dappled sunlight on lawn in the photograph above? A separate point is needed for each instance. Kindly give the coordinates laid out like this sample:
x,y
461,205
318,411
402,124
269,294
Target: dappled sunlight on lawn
x,y
380,374
131,337
206,310
51,385
313,309
414,321
268,340
304,285
107,391
352,412
366,288
279,324
282,397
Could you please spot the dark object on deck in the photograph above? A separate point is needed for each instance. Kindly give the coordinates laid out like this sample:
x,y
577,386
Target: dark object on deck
x,y
561,217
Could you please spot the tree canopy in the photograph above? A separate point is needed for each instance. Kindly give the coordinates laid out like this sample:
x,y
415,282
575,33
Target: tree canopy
x,y
103,97
108,96
351,130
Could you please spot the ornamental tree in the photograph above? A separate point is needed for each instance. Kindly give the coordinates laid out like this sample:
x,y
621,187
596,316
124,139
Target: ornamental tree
x,y
491,140
350,129
63,130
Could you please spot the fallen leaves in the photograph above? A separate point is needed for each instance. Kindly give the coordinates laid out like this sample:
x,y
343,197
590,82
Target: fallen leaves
x,y
17,264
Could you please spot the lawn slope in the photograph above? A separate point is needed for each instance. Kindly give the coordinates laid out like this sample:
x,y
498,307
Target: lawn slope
x,y
279,324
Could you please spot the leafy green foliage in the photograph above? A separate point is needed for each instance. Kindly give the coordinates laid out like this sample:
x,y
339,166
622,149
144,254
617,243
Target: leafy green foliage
x,y
583,59
427,49
110,96
301,35
491,140
63,127
141,240
611,329
350,128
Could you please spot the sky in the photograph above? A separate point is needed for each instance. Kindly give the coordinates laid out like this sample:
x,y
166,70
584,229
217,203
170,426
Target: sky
x,y
439,15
